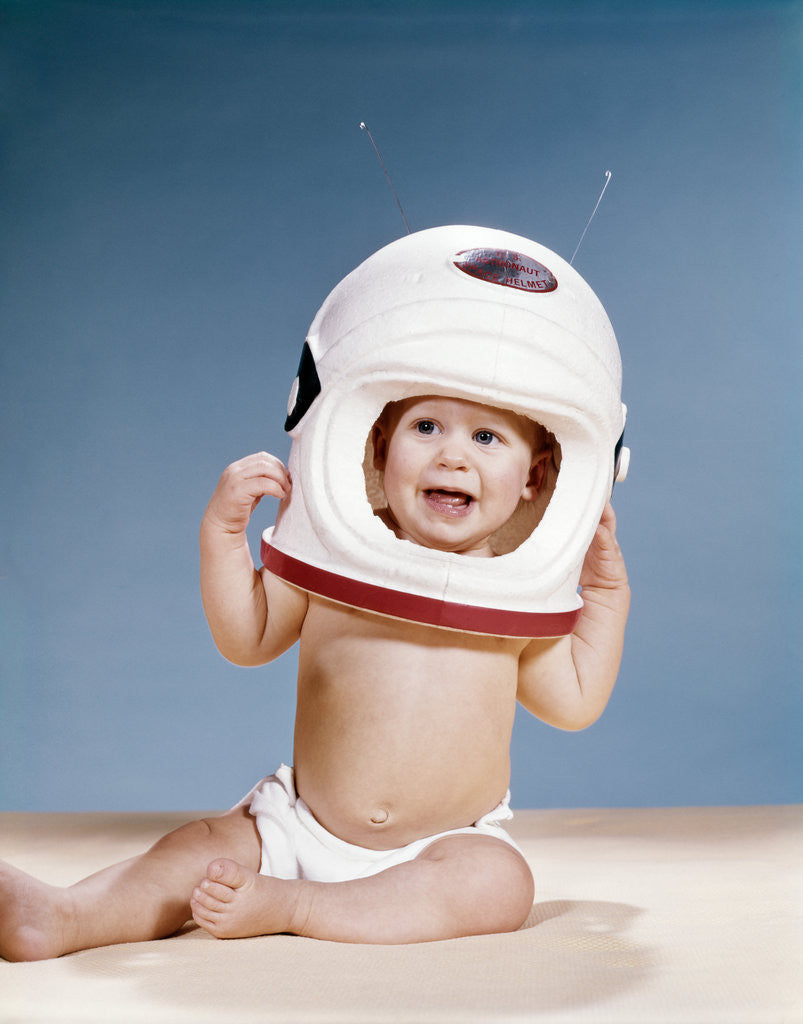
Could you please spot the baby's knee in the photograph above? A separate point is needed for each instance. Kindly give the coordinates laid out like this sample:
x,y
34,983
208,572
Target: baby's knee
x,y
193,833
493,880
512,887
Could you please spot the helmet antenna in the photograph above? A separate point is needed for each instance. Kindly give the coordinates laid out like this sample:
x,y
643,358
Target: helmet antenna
x,y
602,193
365,128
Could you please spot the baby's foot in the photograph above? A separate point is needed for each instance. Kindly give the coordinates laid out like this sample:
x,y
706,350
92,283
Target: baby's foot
x,y
233,901
31,917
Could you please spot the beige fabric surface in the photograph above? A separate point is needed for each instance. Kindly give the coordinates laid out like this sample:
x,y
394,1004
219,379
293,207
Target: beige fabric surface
x,y
651,915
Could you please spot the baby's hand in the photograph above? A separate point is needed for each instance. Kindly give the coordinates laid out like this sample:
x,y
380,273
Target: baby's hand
x,y
242,487
604,565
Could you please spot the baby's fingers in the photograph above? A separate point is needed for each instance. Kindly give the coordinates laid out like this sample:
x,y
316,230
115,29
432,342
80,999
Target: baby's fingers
x,y
604,565
268,473
608,520
242,486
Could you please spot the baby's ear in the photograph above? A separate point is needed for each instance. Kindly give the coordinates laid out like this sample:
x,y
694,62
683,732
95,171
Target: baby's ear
x,y
537,477
380,443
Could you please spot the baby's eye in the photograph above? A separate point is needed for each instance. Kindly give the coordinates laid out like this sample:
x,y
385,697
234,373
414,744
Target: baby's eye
x,y
426,427
485,437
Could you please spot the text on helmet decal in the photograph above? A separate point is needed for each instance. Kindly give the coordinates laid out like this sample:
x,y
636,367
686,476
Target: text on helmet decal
x,y
506,267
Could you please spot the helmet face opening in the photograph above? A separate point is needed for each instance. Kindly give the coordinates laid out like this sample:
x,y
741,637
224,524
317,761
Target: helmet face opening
x,y
470,313
521,524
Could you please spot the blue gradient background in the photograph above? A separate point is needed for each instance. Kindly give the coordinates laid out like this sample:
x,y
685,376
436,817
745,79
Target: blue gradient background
x,y
182,185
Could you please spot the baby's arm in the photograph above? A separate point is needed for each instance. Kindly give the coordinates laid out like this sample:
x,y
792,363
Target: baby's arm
x,y
253,616
567,682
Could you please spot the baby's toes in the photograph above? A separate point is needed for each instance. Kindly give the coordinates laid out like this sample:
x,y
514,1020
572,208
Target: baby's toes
x,y
210,897
229,873
210,920
215,892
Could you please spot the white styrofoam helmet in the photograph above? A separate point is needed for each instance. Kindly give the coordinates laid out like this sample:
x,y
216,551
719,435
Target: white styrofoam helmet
x,y
472,313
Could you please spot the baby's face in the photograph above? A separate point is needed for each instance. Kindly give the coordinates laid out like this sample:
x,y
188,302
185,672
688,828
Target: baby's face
x,y
455,470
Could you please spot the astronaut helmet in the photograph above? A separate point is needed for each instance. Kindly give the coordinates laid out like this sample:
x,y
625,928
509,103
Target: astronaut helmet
x,y
466,312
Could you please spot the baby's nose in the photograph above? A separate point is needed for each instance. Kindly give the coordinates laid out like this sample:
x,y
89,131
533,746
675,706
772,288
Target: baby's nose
x,y
453,456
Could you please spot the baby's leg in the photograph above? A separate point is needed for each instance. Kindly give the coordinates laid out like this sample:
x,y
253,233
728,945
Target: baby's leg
x,y
460,885
147,897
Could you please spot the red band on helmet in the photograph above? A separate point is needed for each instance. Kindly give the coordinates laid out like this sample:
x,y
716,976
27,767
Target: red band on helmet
x,y
415,608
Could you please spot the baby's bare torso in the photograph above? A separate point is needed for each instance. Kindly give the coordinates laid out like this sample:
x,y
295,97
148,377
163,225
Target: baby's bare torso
x,y
402,731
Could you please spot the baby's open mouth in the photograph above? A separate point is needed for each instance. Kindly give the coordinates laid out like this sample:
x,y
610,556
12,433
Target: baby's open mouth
x,y
448,502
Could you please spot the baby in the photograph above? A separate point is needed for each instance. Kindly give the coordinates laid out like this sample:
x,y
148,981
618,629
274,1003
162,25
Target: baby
x,y
387,829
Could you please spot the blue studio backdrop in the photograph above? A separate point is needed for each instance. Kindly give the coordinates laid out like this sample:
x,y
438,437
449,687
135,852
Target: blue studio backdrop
x,y
183,184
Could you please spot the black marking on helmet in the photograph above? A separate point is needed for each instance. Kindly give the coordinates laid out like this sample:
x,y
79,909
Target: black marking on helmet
x,y
309,387
617,452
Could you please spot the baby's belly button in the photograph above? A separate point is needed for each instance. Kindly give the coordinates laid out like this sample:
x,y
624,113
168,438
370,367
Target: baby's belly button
x,y
376,819
377,826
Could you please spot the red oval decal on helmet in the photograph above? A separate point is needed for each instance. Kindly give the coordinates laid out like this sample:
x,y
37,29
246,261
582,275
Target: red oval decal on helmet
x,y
506,267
